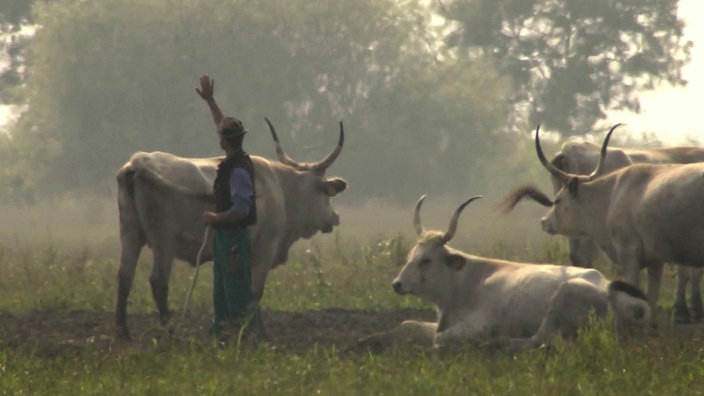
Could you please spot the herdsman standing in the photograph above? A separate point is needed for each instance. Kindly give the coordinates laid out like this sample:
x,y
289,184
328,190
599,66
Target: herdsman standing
x,y
234,210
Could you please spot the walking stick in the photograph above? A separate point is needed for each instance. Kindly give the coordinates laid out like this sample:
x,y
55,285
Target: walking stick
x,y
195,276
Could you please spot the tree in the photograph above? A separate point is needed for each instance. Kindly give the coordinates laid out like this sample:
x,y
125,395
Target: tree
x,y
109,78
571,60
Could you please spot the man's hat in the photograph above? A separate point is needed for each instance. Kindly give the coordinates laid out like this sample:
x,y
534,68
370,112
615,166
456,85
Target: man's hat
x,y
231,127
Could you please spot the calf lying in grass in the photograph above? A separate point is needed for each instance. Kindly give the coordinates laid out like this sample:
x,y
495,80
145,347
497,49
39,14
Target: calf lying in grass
x,y
490,301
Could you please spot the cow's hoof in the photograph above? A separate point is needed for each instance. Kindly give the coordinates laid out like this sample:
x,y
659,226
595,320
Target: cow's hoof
x,y
681,316
123,334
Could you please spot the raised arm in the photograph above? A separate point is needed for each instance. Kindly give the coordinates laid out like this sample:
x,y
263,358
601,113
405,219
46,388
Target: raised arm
x,y
206,91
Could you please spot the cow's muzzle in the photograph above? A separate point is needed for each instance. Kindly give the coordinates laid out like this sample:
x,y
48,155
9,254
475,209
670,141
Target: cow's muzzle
x,y
334,221
547,226
398,287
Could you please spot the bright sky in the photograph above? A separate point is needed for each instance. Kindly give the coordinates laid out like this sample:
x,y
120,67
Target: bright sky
x,y
673,113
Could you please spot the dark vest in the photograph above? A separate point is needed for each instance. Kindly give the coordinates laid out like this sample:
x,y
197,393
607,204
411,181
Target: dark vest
x,y
221,187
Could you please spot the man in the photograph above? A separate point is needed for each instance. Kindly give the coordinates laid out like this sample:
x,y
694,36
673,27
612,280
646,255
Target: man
x,y
234,210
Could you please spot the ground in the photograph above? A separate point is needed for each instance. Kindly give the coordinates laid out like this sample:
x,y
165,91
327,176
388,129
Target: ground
x,y
48,334
65,333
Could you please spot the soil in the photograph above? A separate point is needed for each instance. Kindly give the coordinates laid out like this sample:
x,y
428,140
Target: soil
x,y
49,334
73,333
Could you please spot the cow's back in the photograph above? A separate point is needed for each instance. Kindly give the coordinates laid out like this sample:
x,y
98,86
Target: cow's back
x,y
520,295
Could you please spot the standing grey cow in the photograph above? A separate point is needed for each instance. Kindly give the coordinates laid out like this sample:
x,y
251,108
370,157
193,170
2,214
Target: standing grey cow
x,y
580,158
641,215
486,300
161,198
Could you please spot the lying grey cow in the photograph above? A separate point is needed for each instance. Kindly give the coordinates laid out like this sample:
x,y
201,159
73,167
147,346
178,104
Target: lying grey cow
x,y
485,300
580,158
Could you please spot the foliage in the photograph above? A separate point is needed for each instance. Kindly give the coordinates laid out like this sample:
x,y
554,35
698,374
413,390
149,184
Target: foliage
x,y
569,61
427,102
14,16
109,78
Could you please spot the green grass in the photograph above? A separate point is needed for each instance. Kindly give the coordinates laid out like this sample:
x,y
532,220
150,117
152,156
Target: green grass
x,y
329,271
595,365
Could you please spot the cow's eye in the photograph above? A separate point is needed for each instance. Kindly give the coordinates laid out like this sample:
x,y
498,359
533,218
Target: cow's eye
x,y
424,262
557,201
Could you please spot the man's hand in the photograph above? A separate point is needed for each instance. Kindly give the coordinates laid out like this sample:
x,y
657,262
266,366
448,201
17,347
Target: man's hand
x,y
209,218
207,88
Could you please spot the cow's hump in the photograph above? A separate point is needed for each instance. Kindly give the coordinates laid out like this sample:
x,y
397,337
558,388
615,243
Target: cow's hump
x,y
189,175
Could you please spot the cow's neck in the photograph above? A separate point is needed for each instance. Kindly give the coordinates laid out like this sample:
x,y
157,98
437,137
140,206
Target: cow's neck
x,y
298,224
595,201
467,284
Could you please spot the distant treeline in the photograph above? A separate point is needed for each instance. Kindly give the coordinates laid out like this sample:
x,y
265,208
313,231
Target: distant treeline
x,y
433,98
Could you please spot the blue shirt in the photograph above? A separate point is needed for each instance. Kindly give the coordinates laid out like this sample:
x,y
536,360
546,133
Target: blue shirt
x,y
241,191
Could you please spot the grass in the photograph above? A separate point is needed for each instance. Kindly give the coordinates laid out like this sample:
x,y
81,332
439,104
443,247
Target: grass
x,y
595,365
329,271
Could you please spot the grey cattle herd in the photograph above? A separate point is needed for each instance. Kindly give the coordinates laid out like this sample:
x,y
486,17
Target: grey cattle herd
x,y
641,207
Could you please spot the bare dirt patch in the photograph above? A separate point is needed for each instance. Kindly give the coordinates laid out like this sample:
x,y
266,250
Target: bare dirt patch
x,y
50,334
74,333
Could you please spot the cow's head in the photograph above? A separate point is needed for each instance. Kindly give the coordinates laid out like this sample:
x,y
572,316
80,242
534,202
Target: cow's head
x,y
565,215
317,210
431,265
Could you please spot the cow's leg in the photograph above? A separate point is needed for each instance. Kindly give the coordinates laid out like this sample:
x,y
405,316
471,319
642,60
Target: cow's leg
x,y
263,256
681,312
583,252
654,279
131,247
413,331
569,310
159,278
695,293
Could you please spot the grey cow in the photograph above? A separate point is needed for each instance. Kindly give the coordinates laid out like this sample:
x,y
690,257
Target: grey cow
x,y
491,301
641,215
161,198
580,158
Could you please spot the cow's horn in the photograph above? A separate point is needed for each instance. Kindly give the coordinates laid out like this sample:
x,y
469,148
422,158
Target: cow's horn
x,y
600,165
416,216
453,222
325,163
562,176
283,158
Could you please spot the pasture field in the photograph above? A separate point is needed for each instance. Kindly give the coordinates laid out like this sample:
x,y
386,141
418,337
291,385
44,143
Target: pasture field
x,y
57,294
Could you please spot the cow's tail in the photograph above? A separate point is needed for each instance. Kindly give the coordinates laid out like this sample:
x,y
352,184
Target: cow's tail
x,y
629,304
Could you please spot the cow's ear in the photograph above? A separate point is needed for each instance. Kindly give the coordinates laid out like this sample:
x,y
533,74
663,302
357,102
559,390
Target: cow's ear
x,y
455,261
333,186
573,186
560,162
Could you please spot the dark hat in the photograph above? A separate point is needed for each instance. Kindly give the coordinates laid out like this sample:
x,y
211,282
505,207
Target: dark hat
x,y
231,127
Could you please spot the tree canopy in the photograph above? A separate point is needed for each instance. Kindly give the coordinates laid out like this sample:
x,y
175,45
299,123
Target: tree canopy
x,y
571,60
428,102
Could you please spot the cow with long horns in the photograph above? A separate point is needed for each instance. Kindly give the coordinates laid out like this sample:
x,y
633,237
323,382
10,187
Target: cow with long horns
x,y
485,300
580,157
641,215
161,198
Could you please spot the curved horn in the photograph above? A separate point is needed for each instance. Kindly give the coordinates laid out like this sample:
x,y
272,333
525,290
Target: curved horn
x,y
600,165
283,158
416,216
562,176
453,222
327,161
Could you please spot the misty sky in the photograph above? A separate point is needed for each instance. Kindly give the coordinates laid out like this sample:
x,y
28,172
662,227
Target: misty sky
x,y
673,114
